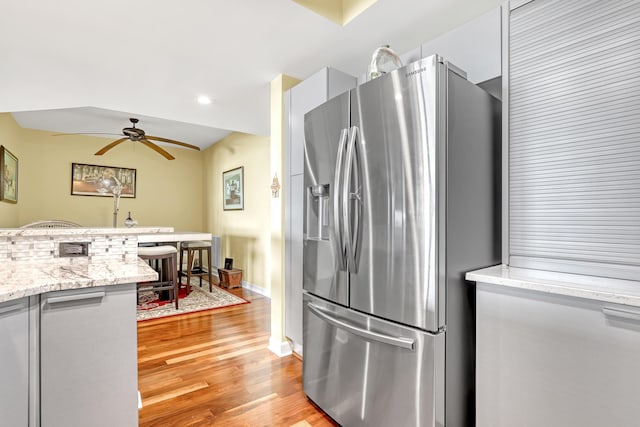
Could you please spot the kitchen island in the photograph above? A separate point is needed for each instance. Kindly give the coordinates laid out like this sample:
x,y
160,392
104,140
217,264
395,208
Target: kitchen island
x,y
68,325
556,349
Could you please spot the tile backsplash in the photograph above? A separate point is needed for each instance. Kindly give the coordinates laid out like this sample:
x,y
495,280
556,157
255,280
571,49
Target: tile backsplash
x,y
100,247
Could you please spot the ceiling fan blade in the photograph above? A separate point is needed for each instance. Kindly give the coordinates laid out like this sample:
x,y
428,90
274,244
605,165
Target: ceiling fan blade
x,y
86,133
172,141
157,149
110,146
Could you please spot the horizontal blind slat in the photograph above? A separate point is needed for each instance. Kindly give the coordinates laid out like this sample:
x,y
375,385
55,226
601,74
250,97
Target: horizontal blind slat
x,y
559,146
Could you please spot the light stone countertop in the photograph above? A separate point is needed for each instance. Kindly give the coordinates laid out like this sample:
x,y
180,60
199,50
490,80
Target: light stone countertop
x,y
25,278
81,231
603,289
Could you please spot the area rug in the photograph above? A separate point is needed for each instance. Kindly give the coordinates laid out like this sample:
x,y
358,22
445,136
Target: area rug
x,y
200,299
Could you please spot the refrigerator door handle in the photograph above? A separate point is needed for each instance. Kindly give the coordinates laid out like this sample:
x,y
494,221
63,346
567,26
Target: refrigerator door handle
x,y
347,198
617,312
402,342
337,240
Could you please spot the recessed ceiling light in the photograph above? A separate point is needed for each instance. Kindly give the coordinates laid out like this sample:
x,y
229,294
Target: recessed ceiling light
x,y
204,100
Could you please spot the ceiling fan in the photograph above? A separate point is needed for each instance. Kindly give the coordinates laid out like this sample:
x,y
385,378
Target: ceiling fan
x,y
136,134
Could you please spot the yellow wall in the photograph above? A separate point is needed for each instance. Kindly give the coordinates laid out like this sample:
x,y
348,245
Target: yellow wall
x,y
245,233
9,138
277,341
352,8
169,193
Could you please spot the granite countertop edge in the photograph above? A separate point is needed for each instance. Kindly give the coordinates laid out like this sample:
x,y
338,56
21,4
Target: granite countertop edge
x,y
22,279
604,289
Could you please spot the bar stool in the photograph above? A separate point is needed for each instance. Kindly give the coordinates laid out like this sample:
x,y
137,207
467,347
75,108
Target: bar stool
x,y
165,264
191,248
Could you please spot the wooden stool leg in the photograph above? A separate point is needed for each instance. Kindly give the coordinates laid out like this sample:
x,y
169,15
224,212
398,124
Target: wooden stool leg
x,y
174,277
189,267
188,285
180,265
209,269
165,275
200,265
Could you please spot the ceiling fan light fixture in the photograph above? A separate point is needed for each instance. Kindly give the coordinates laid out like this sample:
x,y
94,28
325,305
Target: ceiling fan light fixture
x,y
138,135
204,100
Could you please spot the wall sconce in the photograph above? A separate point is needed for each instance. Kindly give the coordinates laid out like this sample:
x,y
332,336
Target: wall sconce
x,y
275,186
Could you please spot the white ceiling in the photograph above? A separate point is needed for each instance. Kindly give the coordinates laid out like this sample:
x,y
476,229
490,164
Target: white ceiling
x,y
150,59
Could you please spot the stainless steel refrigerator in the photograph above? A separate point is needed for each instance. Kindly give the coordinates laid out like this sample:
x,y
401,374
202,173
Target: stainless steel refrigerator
x,y
402,197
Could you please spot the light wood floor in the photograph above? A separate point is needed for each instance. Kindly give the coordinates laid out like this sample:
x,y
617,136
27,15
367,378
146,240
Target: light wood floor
x,y
214,368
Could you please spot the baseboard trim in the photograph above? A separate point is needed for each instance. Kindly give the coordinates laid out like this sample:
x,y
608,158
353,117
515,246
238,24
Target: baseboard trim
x,y
253,288
297,349
280,348
257,289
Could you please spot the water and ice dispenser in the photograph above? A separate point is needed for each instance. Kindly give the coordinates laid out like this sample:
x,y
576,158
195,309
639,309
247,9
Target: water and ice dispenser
x,y
318,212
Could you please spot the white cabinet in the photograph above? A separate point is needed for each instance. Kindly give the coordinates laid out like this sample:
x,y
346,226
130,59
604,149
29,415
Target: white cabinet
x,y
550,360
14,362
88,357
302,98
475,47
572,120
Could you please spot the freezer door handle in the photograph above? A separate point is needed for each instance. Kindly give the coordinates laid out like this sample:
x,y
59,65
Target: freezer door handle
x,y
625,314
402,342
337,216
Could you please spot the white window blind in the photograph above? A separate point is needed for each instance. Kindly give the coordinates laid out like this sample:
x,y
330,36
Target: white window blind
x,y
574,137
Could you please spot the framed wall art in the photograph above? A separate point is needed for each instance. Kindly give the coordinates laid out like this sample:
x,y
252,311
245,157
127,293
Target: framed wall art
x,y
233,189
94,180
8,176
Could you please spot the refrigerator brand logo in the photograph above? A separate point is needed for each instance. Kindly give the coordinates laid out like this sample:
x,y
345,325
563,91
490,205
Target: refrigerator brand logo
x,y
414,72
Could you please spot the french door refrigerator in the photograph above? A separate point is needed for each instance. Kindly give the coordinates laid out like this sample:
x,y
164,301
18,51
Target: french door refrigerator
x,y
402,198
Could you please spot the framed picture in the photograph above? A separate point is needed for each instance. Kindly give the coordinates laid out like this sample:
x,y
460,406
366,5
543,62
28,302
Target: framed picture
x,y
228,263
8,176
233,189
94,180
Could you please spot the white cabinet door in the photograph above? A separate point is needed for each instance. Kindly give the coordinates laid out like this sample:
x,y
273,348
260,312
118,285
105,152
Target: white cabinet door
x,y
14,362
554,361
293,288
89,373
304,97
571,126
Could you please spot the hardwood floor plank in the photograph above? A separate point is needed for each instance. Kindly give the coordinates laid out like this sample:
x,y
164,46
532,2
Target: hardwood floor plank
x,y
263,339
146,401
214,369
253,403
200,346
